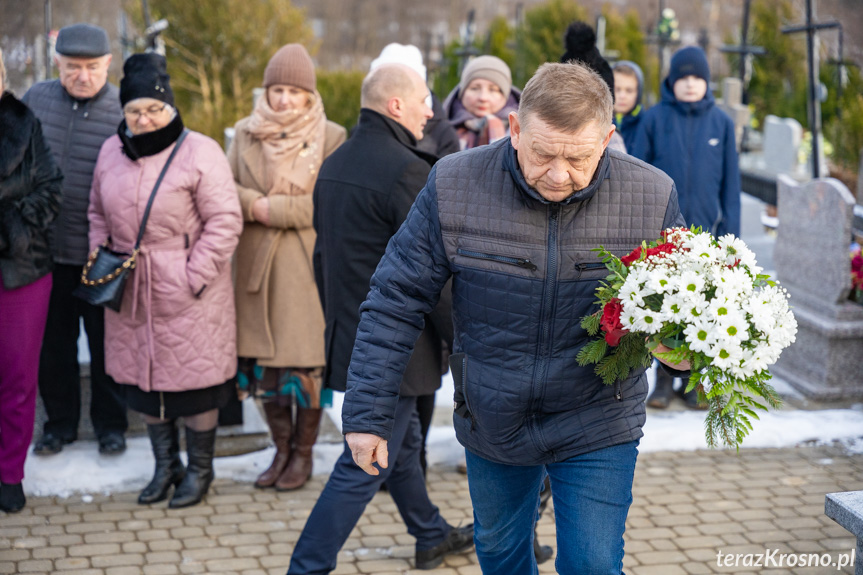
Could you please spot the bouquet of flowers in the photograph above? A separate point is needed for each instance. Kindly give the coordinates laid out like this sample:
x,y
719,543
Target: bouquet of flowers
x,y
857,275
707,302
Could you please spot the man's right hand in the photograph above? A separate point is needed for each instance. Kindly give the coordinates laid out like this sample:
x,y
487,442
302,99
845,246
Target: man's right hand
x,y
368,449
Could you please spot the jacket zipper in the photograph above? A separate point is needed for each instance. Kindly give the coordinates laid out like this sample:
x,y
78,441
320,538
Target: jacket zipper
x,y
464,391
584,267
520,262
547,301
618,395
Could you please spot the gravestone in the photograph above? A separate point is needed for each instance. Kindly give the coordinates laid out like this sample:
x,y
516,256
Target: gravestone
x,y
812,262
782,139
732,104
846,509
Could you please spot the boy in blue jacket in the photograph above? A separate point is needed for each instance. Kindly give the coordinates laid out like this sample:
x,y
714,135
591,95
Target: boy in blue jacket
x,y
628,89
693,141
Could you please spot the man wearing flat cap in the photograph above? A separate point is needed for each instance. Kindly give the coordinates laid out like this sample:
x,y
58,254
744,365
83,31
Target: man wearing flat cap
x,y
78,112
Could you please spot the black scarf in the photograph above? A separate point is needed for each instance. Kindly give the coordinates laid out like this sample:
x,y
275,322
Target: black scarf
x,y
151,143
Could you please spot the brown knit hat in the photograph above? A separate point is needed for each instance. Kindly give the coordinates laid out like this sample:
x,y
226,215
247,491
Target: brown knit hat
x,y
293,66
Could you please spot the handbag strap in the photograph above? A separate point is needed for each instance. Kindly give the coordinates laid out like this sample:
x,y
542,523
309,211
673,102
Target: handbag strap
x,y
156,188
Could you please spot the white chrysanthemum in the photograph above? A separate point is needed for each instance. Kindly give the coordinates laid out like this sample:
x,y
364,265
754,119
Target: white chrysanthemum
x,y
631,291
732,280
659,281
647,320
690,283
726,353
736,251
755,360
673,306
733,326
701,336
694,306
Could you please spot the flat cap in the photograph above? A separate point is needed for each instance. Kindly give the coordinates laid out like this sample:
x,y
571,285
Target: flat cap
x,y
83,41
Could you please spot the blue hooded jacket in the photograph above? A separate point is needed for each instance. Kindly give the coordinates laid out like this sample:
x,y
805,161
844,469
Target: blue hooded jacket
x,y
694,143
627,124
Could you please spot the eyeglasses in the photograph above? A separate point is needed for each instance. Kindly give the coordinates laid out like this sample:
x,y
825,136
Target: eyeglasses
x,y
150,112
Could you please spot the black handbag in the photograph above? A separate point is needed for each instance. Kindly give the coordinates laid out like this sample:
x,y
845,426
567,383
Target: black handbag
x,y
105,274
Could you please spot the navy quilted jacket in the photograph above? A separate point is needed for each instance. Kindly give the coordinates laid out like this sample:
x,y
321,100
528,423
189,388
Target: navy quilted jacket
x,y
694,143
523,275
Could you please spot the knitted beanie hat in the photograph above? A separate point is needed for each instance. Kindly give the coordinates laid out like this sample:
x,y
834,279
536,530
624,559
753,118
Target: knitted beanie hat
x,y
291,66
489,68
146,76
406,54
580,41
689,61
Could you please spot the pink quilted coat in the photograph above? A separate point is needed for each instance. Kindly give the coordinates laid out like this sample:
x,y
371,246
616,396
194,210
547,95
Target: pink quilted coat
x,y
176,329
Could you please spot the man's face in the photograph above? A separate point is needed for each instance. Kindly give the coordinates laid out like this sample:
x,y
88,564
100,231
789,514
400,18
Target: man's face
x,y
83,77
556,163
415,108
690,89
625,92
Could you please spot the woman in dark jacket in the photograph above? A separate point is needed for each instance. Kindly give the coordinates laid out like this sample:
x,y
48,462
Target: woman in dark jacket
x,y
29,202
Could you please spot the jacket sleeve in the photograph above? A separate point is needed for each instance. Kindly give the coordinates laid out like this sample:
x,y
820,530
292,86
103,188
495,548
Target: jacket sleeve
x,y
290,212
41,205
673,217
219,209
406,286
729,194
642,142
247,195
99,231
38,208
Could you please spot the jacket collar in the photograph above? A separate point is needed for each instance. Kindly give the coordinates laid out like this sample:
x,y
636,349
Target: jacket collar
x,y
510,163
16,126
371,121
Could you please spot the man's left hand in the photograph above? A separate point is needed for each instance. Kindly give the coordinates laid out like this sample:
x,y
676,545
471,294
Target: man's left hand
x,y
368,449
684,365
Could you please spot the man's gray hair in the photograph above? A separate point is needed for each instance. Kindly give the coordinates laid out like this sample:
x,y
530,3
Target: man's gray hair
x,y
385,82
567,97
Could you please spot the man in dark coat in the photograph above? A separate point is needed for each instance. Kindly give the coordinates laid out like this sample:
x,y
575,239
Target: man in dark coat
x,y
513,225
79,111
362,195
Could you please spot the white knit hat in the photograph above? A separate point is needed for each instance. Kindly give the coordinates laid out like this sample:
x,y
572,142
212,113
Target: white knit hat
x,y
406,54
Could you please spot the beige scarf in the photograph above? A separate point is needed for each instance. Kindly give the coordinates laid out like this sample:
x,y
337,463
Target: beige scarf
x,y
292,143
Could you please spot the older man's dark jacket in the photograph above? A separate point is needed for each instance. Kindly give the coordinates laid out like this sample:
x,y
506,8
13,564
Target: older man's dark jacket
x,y
75,131
363,194
523,275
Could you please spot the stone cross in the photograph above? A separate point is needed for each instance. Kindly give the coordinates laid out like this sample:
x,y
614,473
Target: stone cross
x,y
813,263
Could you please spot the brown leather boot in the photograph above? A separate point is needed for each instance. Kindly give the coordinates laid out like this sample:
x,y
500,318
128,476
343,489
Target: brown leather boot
x,y
281,424
300,465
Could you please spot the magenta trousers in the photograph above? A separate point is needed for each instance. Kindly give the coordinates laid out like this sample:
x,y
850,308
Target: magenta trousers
x,y
23,312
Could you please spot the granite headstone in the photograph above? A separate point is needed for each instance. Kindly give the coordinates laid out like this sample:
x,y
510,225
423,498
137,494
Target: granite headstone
x,y
732,104
846,509
782,138
813,264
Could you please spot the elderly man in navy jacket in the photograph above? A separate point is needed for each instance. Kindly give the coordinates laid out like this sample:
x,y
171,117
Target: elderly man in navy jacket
x,y
78,111
513,224
362,195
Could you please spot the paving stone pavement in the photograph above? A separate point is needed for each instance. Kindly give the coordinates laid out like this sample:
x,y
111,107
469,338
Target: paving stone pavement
x,y
687,507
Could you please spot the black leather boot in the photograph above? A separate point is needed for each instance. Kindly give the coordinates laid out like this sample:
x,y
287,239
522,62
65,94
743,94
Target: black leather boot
x,y
165,441
12,498
663,392
200,446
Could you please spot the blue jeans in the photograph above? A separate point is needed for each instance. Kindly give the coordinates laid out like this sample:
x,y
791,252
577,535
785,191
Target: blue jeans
x,y
349,490
592,494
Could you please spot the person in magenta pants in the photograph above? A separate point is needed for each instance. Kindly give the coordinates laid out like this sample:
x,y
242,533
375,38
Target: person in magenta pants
x,y
29,202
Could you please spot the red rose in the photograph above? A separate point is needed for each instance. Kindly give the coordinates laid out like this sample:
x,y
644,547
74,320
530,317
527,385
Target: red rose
x,y
661,250
610,322
633,256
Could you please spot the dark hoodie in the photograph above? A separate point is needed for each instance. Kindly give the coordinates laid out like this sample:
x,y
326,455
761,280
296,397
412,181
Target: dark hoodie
x,y
694,143
627,124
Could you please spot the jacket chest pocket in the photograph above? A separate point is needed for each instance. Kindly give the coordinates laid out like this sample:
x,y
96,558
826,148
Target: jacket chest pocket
x,y
523,263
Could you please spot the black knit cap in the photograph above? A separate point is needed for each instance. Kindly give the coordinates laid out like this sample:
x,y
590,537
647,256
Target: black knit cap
x,y
146,76
580,41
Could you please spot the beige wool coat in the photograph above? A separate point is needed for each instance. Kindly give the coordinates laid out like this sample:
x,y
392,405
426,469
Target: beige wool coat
x,y
279,317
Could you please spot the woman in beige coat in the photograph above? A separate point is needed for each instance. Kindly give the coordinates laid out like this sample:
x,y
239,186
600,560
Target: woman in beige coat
x,y
275,156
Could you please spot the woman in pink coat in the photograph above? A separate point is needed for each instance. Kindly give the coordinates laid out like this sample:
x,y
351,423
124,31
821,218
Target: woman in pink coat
x,y
173,341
